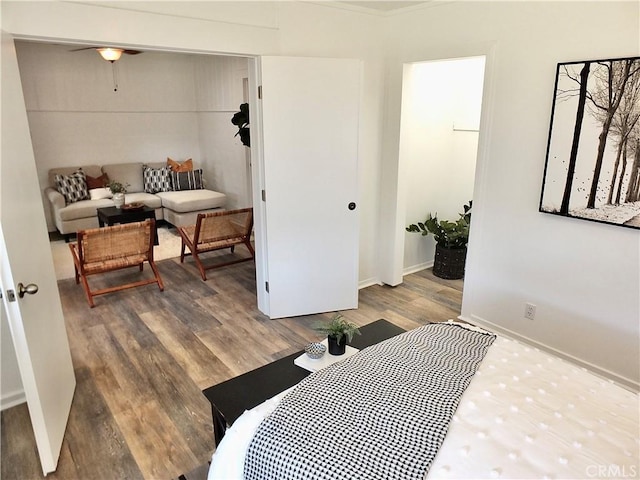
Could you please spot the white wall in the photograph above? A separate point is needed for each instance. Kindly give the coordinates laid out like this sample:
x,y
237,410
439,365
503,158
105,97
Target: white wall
x,y
219,93
438,144
583,277
167,105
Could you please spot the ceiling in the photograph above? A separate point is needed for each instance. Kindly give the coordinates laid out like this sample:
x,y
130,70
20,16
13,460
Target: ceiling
x,y
384,6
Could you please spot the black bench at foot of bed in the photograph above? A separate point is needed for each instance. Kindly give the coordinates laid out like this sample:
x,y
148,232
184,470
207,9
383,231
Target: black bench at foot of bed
x,y
231,398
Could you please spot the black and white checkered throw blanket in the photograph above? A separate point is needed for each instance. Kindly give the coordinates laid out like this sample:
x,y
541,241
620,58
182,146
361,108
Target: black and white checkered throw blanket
x,y
380,414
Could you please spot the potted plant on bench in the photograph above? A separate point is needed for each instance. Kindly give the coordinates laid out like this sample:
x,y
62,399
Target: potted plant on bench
x,y
451,242
339,331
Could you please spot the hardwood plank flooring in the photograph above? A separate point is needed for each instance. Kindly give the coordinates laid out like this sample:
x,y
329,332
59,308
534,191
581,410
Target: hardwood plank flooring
x,y
142,358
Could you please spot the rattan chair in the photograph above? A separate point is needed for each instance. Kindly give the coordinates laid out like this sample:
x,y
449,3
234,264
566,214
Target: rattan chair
x,y
101,250
215,231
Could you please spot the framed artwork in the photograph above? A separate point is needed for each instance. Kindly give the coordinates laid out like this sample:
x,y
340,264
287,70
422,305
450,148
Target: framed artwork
x,y
592,169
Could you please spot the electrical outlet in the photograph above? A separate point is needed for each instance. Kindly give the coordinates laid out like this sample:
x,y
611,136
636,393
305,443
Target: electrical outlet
x,y
529,311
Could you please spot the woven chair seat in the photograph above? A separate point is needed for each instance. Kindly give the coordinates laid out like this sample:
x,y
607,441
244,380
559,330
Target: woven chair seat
x,y
114,264
215,231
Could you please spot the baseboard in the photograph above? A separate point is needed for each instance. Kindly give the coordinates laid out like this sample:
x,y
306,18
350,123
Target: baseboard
x,y
417,268
368,282
624,382
12,399
407,271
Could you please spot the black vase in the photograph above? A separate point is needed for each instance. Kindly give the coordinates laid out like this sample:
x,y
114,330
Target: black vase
x,y
336,348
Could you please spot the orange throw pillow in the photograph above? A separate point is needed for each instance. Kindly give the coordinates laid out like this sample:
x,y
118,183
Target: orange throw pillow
x,y
186,166
97,182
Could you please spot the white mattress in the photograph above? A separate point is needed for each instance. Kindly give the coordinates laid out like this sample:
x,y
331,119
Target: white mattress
x,y
526,414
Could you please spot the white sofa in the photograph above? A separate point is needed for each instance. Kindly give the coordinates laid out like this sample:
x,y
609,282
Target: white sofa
x,y
179,208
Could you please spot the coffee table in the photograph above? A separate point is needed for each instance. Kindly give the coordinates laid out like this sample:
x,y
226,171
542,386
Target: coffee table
x,y
231,398
114,215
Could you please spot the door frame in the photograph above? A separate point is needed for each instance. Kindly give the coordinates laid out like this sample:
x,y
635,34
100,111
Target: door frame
x,y
405,155
392,230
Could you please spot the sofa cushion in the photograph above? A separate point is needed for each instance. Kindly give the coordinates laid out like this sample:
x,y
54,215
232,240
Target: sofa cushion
x,y
73,187
97,182
192,200
185,166
156,179
187,180
83,209
149,199
129,174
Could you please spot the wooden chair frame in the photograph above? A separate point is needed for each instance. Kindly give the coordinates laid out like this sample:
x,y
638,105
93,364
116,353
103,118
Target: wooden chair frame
x,y
101,250
215,231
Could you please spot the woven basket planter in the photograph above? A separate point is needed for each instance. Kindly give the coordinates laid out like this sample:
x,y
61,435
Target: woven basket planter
x,y
449,263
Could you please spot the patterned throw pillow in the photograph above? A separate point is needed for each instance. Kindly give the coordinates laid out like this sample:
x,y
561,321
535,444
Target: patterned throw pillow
x,y
186,166
187,180
156,179
73,187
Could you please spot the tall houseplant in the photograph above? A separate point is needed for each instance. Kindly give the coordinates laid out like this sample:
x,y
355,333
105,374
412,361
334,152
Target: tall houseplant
x,y
451,242
241,120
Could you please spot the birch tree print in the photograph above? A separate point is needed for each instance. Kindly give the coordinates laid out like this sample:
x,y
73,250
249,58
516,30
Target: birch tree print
x,y
592,169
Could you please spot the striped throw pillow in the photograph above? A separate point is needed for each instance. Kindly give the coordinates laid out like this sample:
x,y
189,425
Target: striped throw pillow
x,y
187,180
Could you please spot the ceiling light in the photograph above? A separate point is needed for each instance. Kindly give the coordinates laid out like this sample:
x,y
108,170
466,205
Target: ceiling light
x,y
110,54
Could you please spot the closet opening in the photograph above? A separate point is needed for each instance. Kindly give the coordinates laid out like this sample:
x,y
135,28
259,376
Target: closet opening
x,y
440,126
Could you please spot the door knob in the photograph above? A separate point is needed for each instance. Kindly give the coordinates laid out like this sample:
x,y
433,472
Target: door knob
x,y
31,289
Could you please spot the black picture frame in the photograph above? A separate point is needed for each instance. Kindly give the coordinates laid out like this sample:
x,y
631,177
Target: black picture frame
x,y
592,168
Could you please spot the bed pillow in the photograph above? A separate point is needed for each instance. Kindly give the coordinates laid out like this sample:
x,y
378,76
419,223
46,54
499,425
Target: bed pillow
x,y
73,187
97,182
186,166
156,179
187,180
100,193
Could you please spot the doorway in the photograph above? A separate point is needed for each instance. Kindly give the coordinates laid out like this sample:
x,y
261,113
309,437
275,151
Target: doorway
x,y
440,126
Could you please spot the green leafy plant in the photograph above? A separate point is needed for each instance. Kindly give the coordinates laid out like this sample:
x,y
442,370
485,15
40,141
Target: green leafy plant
x,y
337,327
448,234
117,187
241,120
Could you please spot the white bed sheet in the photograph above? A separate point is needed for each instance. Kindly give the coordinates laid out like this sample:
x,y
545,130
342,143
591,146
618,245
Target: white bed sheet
x,y
525,414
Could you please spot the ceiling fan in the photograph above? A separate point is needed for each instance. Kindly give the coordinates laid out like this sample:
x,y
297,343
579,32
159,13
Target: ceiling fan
x,y
111,54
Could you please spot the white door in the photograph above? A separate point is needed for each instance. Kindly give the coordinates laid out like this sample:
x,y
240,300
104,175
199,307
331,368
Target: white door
x,y
310,112
35,320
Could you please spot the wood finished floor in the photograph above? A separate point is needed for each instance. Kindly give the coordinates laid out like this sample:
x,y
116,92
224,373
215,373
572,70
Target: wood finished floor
x,y
142,358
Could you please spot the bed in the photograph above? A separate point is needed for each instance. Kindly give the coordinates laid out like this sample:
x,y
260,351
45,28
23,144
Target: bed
x,y
521,413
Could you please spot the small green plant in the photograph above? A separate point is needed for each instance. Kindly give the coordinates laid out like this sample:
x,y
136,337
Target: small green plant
x,y
338,327
452,235
117,187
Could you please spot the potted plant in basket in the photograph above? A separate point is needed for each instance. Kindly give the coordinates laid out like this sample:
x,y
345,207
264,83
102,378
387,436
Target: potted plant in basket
x,y
118,190
451,242
339,331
